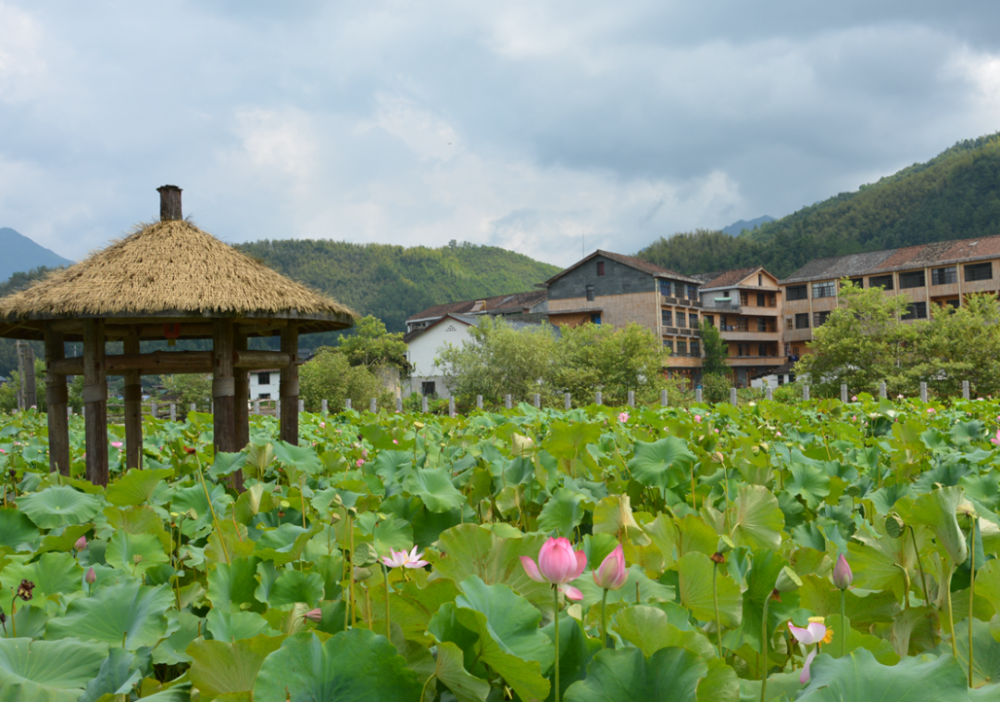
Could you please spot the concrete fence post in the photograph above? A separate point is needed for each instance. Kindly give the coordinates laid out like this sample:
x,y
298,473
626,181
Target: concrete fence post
x,y
597,398
664,398
732,396
451,406
768,393
697,394
152,409
537,400
302,406
69,411
965,389
882,392
347,403
399,404
423,404
373,406
568,400
631,398
923,392
507,402
843,393
479,401
805,393
173,412
324,406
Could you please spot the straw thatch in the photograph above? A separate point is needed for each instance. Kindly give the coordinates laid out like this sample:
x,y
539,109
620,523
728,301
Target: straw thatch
x,y
172,269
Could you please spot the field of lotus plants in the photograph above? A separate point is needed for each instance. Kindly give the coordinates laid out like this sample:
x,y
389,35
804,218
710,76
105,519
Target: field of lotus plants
x,y
811,552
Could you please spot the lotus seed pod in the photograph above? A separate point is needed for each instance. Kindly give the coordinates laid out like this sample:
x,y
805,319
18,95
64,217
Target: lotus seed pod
x,y
853,490
894,525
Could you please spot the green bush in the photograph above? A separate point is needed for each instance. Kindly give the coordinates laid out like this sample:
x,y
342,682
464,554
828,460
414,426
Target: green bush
x,y
715,387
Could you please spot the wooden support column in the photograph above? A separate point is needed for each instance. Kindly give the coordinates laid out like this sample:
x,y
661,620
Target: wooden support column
x,y
241,411
133,406
288,387
95,401
224,386
56,401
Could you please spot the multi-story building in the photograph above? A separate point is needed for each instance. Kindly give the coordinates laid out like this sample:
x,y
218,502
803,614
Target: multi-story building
x,y
525,306
745,305
608,288
930,275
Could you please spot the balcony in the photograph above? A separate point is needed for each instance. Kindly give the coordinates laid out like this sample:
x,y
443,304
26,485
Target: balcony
x,y
749,334
755,360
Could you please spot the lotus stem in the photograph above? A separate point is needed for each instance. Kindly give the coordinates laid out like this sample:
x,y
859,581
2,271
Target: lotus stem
x,y
843,623
920,566
763,648
555,590
604,620
349,567
215,518
972,591
385,570
715,597
951,614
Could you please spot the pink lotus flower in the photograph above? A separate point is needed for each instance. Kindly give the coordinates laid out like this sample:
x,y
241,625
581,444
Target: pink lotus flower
x,y
395,441
697,418
117,444
314,615
716,431
81,543
364,454
402,559
612,573
777,433
322,425
623,417
815,633
930,410
842,575
854,398
558,564
91,577
996,440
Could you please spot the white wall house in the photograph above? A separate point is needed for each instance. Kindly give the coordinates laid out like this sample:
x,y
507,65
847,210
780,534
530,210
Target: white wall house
x,y
425,344
264,384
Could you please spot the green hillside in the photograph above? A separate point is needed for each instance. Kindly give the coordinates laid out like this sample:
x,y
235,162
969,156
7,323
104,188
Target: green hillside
x,y
394,282
955,195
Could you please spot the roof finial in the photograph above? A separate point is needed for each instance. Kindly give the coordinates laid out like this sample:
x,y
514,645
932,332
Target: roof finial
x,y
170,203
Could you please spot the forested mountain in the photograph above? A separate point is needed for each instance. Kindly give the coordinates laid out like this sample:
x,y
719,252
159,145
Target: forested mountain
x,y
22,254
955,195
394,282
737,227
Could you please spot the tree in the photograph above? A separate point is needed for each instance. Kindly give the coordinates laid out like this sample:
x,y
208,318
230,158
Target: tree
x,y
329,376
371,345
716,350
861,343
594,356
500,360
188,388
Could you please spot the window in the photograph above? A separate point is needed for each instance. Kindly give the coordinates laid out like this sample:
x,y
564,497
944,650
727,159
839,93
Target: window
x,y
665,288
600,268
669,345
710,318
944,276
978,271
693,321
880,281
263,378
667,318
680,319
827,289
789,323
798,292
819,318
761,298
760,279
744,299
264,396
956,303
802,321
428,388
762,324
595,318
911,279
761,349
590,293
859,282
917,310
696,349
692,292
682,348
742,349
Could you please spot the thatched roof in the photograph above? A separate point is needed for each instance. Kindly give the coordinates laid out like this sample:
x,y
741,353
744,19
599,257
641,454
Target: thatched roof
x,y
169,270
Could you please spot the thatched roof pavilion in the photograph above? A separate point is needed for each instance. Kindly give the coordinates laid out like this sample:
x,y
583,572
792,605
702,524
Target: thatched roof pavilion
x,y
168,280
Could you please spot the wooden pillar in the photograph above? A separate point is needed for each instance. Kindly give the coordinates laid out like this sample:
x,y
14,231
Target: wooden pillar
x,y
224,386
56,400
241,415
95,401
288,387
133,405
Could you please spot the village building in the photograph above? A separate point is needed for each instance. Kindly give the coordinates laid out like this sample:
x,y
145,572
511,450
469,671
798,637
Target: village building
x,y
525,306
930,275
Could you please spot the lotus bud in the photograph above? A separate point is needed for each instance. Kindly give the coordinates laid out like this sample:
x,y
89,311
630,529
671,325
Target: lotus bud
x,y
787,581
81,543
314,615
894,525
842,575
364,454
612,573
91,577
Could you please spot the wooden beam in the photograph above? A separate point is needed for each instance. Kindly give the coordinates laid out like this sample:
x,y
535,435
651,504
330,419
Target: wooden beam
x,y
56,401
174,362
224,387
133,405
288,387
95,398
260,360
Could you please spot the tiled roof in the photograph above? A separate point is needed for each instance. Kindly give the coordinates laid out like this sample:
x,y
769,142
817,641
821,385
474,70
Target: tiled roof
x,y
496,305
632,261
722,279
924,255
473,321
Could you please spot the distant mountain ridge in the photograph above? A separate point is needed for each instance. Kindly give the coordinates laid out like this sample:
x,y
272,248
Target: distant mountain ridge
x,y
21,254
736,228
955,195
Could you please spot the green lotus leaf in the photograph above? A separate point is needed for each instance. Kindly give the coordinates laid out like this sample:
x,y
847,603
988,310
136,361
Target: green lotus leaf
x,y
52,573
48,671
809,482
118,675
649,630
357,665
17,531
613,515
695,573
59,506
284,544
193,498
186,628
669,675
226,464
303,458
450,671
136,486
294,586
562,513
230,669
435,489
937,511
234,626
576,651
232,585
134,553
127,614
860,678
662,464
757,519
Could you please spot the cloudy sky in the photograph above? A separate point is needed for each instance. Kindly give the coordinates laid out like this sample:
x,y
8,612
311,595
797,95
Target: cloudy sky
x,y
528,125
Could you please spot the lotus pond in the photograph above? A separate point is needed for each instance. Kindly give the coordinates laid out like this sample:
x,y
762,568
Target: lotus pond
x,y
399,557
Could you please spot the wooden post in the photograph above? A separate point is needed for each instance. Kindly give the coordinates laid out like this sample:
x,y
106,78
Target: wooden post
x,y
664,398
28,386
133,406
193,407
732,396
289,385
399,404
631,398
95,400
241,414
302,406
843,393
568,401
20,372
965,385
154,409
56,401
173,412
223,386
